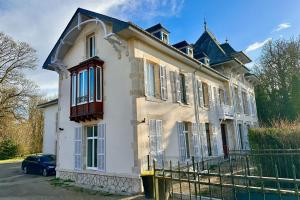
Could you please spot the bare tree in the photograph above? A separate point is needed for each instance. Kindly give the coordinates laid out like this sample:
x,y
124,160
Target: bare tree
x,y
15,57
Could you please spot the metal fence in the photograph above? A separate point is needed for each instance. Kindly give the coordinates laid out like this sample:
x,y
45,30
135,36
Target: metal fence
x,y
245,175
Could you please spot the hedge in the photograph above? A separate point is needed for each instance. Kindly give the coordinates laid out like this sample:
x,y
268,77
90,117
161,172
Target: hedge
x,y
267,146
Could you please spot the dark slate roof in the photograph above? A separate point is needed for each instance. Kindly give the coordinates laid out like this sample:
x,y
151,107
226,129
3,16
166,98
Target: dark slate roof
x,y
227,48
117,25
208,44
200,55
156,27
181,44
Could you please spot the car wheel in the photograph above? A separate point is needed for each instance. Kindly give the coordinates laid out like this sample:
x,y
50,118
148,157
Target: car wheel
x,y
45,173
25,170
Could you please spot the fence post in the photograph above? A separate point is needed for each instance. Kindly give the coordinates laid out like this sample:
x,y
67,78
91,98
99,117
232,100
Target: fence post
x,y
194,173
155,192
148,162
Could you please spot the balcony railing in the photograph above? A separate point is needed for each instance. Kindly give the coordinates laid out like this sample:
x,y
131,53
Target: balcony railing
x,y
226,112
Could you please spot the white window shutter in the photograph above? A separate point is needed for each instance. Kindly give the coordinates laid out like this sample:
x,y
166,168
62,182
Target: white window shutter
x,y
203,140
215,140
240,100
78,148
209,96
181,142
178,88
163,83
146,78
188,80
159,147
173,86
152,137
196,141
225,96
101,150
200,93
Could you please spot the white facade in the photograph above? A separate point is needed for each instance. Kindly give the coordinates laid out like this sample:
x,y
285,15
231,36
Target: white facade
x,y
50,127
141,119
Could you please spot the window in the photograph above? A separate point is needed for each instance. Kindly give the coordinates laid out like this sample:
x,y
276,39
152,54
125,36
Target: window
x,y
187,139
208,139
190,52
182,82
221,96
205,95
240,131
92,142
74,88
156,81
82,87
155,136
99,82
245,102
151,79
91,47
165,37
91,84
86,86
237,100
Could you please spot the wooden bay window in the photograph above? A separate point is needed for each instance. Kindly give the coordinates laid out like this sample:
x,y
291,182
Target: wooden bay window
x,y
87,90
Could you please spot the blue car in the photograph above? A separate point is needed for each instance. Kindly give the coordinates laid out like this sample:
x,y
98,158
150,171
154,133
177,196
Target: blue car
x,y
39,164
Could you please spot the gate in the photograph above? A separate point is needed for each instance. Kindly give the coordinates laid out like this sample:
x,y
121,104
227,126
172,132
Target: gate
x,y
245,175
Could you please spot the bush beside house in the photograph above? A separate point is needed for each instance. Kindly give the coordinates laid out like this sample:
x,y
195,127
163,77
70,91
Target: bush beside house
x,y
267,145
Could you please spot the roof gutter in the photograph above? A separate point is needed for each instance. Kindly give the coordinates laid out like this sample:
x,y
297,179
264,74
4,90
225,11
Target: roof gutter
x,y
196,64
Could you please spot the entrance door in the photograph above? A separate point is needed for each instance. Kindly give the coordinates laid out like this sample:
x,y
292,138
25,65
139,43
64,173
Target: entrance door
x,y
224,140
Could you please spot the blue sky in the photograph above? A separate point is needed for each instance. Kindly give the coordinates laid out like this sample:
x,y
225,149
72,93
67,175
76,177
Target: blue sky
x,y
246,24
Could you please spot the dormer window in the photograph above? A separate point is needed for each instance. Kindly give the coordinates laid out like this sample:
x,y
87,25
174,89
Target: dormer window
x,y
190,52
159,32
91,46
165,37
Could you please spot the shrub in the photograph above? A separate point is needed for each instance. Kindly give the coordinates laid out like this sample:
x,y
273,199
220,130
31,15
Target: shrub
x,y
271,143
8,149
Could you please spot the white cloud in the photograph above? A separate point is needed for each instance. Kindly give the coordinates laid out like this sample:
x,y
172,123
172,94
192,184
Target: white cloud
x,y
282,26
257,45
40,23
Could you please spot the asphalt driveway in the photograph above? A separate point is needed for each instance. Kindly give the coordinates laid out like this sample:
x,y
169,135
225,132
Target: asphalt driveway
x,y
16,185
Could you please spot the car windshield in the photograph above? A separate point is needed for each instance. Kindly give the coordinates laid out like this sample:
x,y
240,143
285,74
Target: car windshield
x,y
48,158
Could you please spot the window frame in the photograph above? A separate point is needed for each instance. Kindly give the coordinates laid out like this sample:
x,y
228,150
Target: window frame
x,y
90,54
83,85
91,82
208,139
187,140
205,93
100,79
165,36
94,151
182,81
74,89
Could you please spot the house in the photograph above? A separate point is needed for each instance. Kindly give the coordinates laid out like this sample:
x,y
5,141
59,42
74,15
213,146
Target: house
x,y
126,93
50,112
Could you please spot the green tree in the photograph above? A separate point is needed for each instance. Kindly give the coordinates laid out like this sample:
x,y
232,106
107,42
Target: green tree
x,y
279,62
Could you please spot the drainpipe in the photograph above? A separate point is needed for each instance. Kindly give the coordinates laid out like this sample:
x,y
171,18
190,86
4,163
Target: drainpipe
x,y
196,108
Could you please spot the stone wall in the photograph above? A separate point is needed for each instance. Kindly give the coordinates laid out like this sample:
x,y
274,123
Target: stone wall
x,y
124,185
